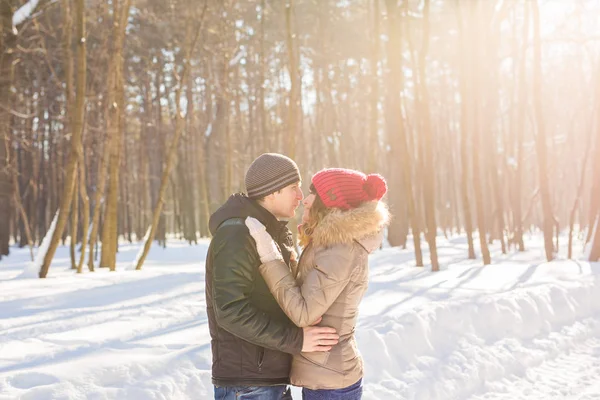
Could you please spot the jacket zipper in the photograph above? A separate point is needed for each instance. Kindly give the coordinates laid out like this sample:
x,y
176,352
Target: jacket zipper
x,y
300,260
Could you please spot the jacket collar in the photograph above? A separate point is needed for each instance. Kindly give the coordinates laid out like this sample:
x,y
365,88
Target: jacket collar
x,y
240,206
362,224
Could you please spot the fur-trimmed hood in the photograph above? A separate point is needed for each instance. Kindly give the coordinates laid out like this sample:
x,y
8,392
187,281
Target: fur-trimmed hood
x,y
363,224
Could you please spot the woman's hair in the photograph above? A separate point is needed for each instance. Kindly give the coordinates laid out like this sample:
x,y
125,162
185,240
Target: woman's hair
x,y
317,212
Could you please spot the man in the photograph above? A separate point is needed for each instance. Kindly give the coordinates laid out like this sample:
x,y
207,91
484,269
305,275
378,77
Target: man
x,y
252,338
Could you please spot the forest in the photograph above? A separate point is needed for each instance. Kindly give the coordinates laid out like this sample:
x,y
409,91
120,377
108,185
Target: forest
x,y
131,120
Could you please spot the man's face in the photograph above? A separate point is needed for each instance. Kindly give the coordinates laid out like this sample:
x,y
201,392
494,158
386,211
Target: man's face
x,y
284,202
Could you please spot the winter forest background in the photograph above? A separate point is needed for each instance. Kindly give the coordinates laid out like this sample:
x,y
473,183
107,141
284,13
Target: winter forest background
x,y
137,118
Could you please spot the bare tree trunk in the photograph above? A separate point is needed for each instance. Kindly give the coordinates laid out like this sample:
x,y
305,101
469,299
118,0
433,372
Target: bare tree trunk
x,y
499,209
372,144
74,223
7,46
228,152
577,202
475,131
190,44
594,227
188,149
540,138
68,62
594,210
204,201
75,155
428,143
125,185
293,96
399,138
12,161
100,188
595,252
22,212
266,145
114,128
86,205
464,135
293,71
520,133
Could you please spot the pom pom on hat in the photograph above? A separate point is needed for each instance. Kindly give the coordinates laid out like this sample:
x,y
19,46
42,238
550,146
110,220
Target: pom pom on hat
x,y
347,188
375,186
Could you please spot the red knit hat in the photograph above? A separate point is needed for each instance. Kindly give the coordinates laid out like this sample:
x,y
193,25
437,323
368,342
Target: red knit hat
x,y
347,188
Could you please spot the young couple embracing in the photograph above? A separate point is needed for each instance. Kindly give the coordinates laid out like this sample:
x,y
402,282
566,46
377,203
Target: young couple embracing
x,y
276,318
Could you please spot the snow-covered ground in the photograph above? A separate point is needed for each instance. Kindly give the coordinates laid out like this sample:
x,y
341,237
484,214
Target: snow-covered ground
x,y
518,329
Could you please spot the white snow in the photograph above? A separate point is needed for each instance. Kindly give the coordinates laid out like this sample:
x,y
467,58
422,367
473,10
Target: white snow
x,y
140,252
32,269
208,130
236,59
24,12
588,246
521,328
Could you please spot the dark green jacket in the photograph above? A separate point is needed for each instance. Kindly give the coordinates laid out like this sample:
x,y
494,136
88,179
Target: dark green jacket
x,y
252,338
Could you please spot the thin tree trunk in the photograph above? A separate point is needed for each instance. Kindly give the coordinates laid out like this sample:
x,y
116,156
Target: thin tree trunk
x,y
581,185
108,257
540,138
428,143
228,150
75,155
475,130
204,201
189,196
477,92
265,142
7,46
595,251
293,110
520,133
595,190
190,44
400,141
86,211
372,144
100,188
74,223
22,213
499,211
293,71
18,201
464,136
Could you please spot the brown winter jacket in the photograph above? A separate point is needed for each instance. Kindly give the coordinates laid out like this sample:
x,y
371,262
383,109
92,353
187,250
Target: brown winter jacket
x,y
330,281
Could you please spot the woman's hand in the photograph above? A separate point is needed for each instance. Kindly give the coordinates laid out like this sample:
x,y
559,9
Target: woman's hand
x,y
265,245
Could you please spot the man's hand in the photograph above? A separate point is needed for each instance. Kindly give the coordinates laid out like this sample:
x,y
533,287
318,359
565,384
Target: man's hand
x,y
319,338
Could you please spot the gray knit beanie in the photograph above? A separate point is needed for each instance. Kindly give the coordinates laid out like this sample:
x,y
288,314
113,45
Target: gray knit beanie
x,y
269,173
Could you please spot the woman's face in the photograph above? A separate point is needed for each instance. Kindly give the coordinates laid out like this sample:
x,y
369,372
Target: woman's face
x,y
307,202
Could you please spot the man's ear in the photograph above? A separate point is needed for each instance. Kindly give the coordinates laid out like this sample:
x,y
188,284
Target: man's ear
x,y
268,199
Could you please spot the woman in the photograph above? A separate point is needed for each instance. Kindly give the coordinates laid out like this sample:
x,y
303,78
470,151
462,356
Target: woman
x,y
342,223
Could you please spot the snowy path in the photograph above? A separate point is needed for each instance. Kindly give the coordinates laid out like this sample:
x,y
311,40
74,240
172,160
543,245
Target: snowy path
x,y
518,329
570,372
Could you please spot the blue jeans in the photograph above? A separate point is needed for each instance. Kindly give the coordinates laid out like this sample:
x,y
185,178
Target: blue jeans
x,y
353,392
280,392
